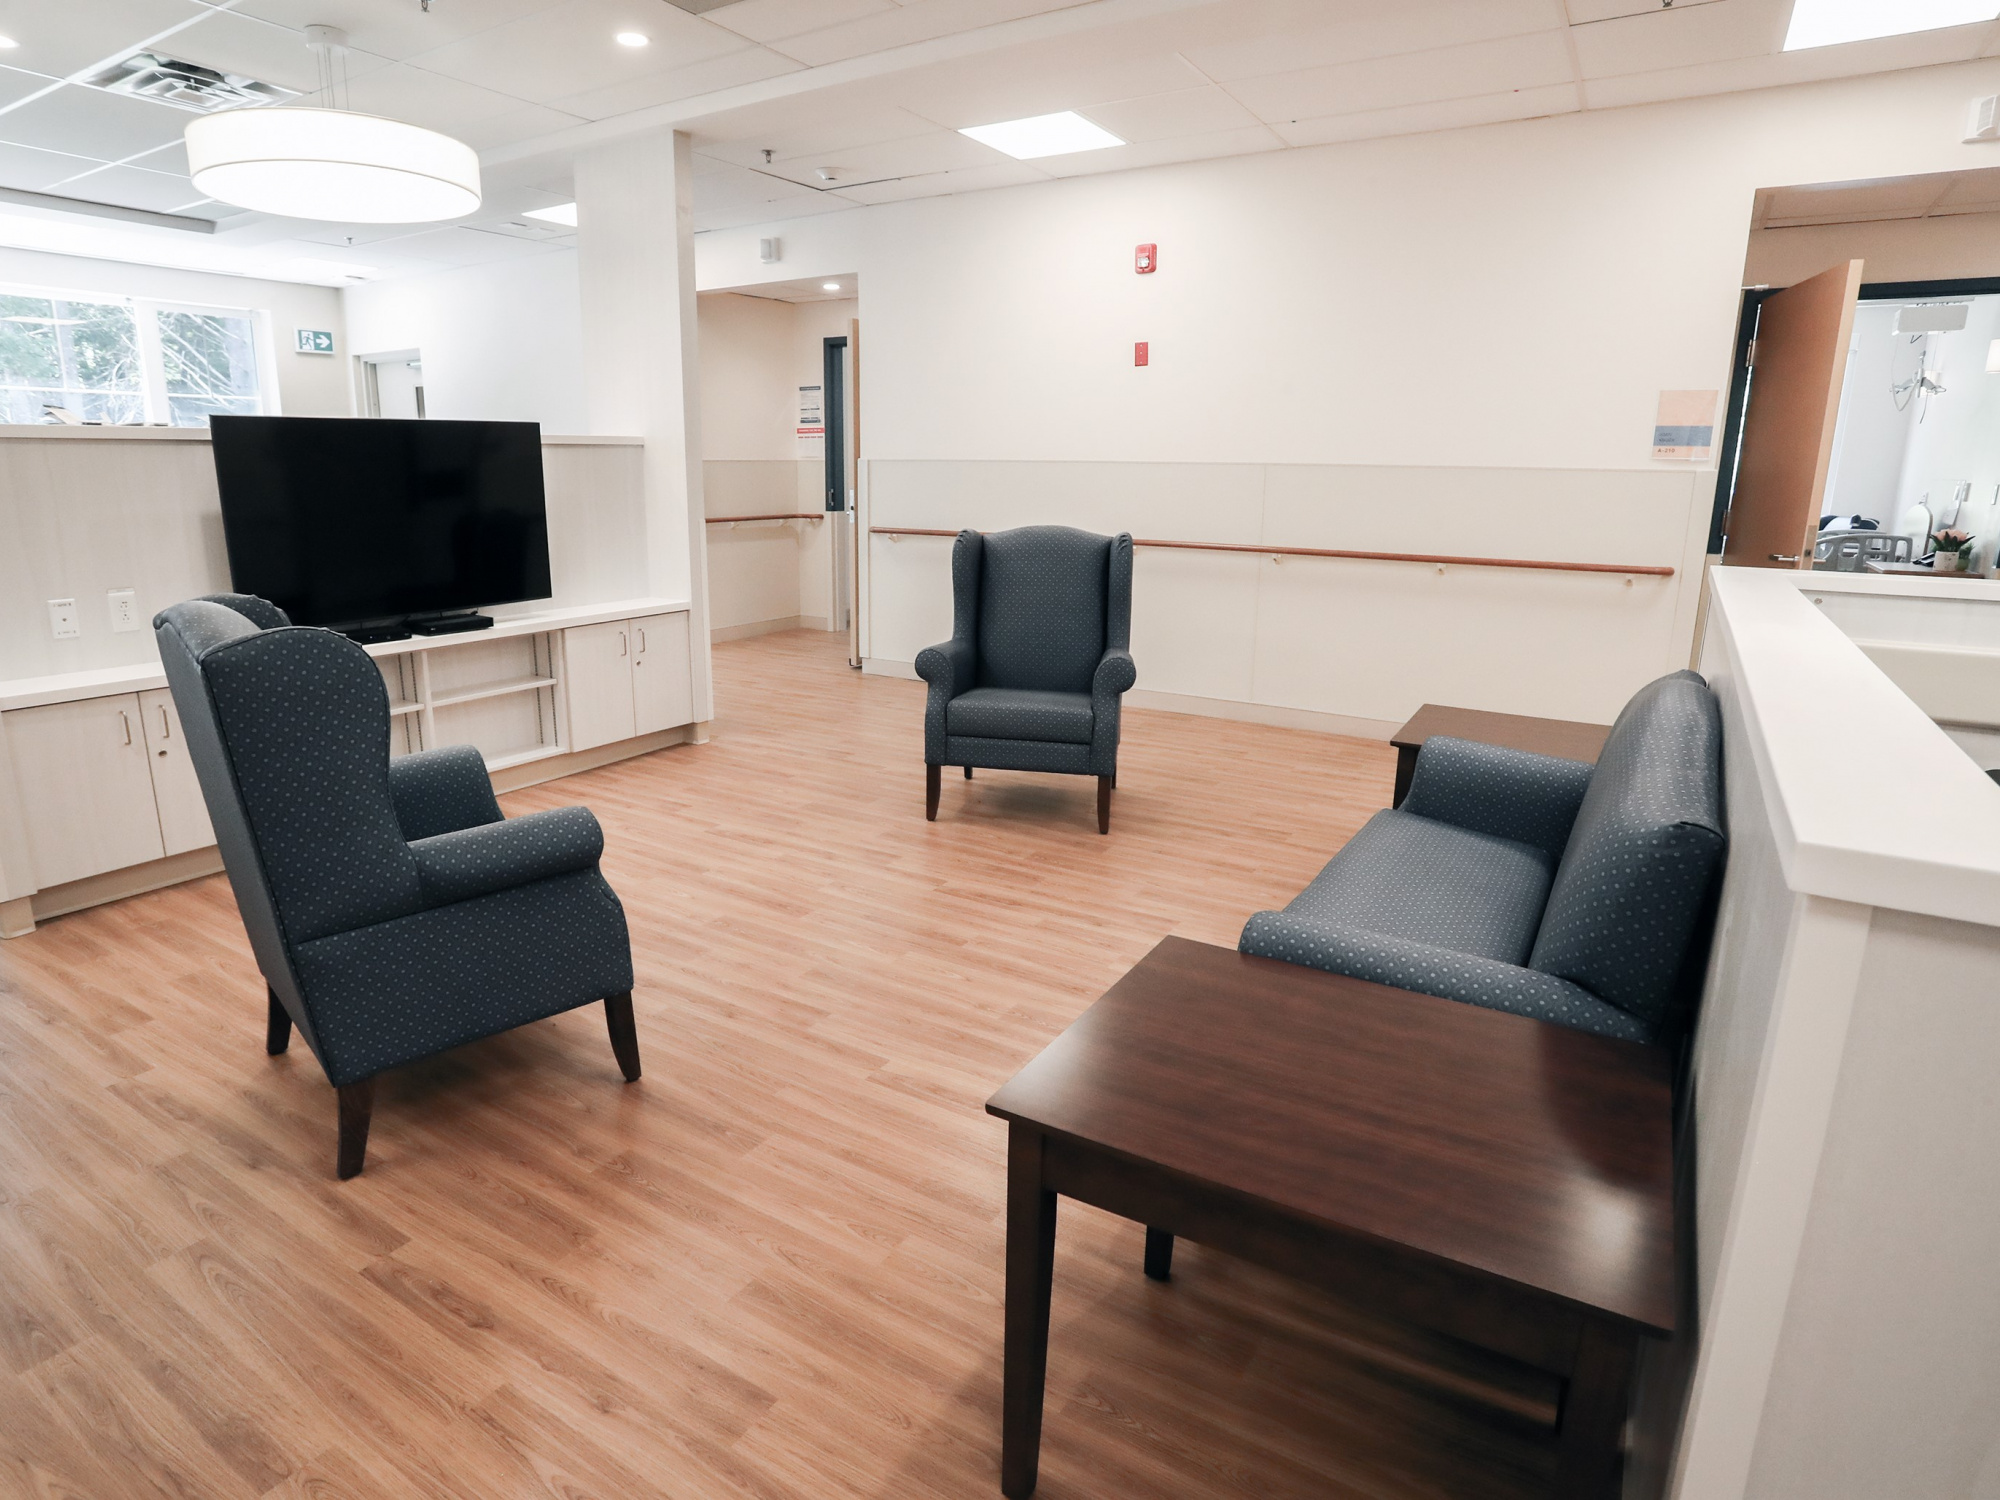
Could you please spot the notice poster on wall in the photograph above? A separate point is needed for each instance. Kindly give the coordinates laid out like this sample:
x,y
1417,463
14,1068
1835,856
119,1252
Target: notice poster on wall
x,y
812,412
1685,426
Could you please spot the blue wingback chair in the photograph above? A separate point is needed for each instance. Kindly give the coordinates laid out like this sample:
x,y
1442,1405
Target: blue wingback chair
x,y
394,910
1531,884
1038,659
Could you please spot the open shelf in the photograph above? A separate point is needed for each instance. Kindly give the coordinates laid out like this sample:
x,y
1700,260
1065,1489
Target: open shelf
x,y
493,690
522,757
396,709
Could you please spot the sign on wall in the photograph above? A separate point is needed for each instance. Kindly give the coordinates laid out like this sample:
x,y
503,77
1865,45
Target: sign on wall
x,y
314,340
812,412
1685,426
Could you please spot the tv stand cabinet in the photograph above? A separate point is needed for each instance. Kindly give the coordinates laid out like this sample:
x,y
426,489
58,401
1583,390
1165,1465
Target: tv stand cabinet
x,y
98,801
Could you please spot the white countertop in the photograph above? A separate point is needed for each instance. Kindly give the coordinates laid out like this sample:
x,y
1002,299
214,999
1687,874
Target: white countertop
x,y
1837,741
105,682
37,432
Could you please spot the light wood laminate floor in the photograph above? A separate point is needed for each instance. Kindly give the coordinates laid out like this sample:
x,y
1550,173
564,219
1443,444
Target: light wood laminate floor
x,y
773,1267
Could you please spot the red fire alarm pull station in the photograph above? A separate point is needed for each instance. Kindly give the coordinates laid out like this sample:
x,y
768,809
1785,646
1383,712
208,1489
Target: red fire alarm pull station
x,y
1142,354
1145,259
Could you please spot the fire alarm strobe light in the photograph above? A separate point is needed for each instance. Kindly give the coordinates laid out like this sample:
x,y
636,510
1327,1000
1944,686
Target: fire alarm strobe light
x,y
1142,354
1145,259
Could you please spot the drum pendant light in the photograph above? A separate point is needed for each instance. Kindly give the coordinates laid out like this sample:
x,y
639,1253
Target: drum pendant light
x,y
327,162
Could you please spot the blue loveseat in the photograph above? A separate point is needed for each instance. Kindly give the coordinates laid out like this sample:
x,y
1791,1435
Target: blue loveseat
x,y
1532,884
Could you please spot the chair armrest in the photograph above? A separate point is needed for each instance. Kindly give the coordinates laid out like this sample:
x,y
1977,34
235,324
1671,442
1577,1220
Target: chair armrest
x,y
1509,794
1431,970
499,856
949,669
1115,674
441,791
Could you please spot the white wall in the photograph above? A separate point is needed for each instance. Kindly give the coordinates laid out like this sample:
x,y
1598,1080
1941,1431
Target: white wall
x,y
1873,435
501,342
1952,247
1505,300
1958,438
309,385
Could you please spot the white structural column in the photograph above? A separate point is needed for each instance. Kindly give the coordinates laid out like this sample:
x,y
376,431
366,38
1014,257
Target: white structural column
x,y
635,263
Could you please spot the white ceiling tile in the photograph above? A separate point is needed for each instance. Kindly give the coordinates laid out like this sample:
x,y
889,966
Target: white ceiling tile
x,y
733,187
477,116
1513,63
1447,114
732,69
1243,141
62,37
915,21
37,171
934,151
1254,40
171,158
1064,73
1583,12
771,20
1916,50
129,187
790,128
90,122
16,85
1159,117
399,29
1680,37
524,122
938,184
568,50
455,246
258,49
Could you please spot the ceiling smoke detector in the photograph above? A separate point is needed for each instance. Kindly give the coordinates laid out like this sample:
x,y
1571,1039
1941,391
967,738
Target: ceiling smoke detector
x,y
184,85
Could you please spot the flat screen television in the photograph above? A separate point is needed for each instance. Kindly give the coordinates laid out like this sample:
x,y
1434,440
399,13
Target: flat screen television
x,y
344,521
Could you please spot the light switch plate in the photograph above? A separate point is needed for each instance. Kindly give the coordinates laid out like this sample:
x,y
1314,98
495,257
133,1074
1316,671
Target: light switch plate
x,y
124,609
62,619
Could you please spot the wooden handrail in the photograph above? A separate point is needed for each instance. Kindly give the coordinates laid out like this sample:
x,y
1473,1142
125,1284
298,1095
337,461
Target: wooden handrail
x,y
790,515
1418,557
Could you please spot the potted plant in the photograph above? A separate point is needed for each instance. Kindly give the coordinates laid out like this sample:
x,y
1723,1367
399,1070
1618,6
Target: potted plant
x,y
1954,550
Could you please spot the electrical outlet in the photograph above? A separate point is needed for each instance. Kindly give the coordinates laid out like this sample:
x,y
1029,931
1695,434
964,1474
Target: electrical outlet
x,y
124,609
62,619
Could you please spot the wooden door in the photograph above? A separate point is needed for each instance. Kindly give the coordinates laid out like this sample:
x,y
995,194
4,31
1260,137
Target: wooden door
x,y
597,684
184,821
662,674
86,792
1795,376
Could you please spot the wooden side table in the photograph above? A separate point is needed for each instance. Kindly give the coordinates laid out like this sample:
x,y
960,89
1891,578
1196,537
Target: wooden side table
x,y
1502,1180
1563,737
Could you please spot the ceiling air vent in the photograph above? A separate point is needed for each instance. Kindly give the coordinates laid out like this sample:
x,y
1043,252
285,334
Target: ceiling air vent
x,y
184,85
696,7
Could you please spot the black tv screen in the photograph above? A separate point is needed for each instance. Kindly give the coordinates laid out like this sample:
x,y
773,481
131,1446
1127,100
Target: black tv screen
x,y
341,520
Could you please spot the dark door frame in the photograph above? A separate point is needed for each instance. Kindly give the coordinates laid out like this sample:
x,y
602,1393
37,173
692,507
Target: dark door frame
x,y
1740,370
833,416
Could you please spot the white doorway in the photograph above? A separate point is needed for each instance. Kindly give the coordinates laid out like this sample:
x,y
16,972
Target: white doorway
x,y
392,385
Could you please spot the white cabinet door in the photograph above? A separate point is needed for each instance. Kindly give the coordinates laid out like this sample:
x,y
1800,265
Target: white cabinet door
x,y
662,676
597,684
184,821
86,792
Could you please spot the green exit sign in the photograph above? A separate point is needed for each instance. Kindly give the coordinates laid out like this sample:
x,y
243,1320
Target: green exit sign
x,y
315,340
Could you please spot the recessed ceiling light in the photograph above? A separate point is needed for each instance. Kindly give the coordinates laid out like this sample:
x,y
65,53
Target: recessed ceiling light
x,y
8,44
562,213
829,286
1045,135
632,39
1826,23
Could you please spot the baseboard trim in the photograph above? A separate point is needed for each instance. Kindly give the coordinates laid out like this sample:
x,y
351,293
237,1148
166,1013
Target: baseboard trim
x,y
535,772
1213,708
720,633
116,885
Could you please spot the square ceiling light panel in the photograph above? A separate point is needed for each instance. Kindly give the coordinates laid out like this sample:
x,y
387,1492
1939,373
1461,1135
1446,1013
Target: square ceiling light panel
x,y
1043,135
1827,23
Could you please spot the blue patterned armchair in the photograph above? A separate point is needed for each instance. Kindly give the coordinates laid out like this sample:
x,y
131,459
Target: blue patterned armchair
x,y
394,910
1532,884
1038,659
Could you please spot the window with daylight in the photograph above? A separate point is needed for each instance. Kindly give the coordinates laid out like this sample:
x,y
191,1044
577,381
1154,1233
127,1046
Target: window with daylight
x,y
125,362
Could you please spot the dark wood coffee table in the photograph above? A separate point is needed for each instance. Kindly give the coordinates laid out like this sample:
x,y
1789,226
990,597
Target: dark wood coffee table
x,y
1493,1177
1564,737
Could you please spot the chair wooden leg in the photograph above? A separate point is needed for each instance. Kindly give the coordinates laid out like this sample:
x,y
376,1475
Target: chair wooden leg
x,y
357,1103
1159,1254
1104,804
277,1024
968,773
933,784
624,1034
